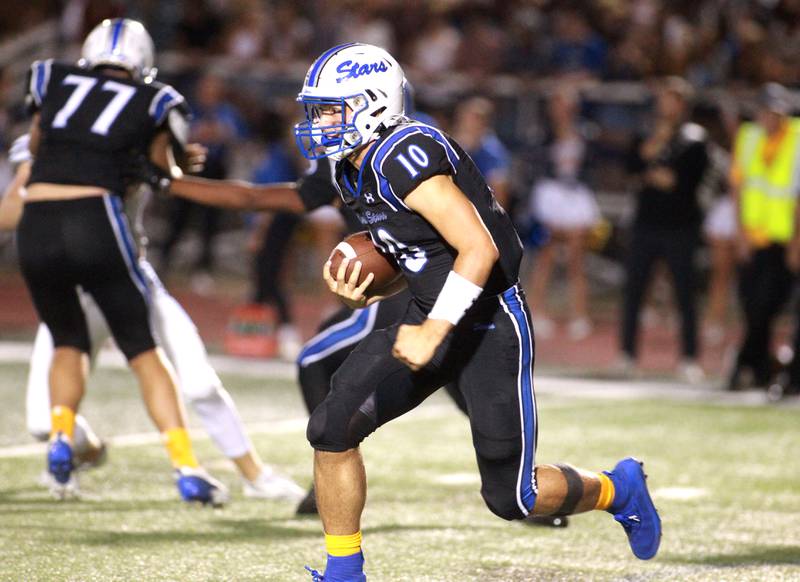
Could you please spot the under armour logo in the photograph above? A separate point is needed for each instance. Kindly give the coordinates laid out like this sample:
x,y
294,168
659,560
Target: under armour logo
x,y
369,197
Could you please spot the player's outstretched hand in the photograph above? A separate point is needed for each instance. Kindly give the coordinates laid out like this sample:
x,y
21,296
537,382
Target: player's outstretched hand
x,y
347,289
416,344
195,155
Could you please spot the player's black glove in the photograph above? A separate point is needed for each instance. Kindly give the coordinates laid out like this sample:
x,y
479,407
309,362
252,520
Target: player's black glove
x,y
140,170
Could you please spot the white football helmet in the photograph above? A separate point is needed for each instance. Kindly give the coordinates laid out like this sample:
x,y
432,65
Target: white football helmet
x,y
120,42
364,78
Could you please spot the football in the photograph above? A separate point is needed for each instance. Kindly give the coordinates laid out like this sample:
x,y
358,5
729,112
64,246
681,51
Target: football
x,y
359,247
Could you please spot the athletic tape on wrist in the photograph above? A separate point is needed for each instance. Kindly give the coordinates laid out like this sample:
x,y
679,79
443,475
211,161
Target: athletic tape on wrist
x,y
457,295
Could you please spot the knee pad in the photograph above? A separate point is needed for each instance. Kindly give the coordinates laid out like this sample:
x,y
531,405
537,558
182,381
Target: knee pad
x,y
317,430
498,450
499,461
331,428
502,501
201,383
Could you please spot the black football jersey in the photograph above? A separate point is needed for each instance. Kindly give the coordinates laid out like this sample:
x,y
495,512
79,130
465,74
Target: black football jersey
x,y
94,126
318,188
402,158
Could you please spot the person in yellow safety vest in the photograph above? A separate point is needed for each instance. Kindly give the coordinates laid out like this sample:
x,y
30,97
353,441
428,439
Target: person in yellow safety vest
x,y
765,180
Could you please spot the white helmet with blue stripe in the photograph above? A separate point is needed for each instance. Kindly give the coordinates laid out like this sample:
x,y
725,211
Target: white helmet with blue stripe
x,y
120,42
365,78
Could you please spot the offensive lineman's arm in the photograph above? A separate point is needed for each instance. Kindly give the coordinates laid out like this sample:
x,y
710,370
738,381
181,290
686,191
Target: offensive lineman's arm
x,y
439,201
12,200
239,194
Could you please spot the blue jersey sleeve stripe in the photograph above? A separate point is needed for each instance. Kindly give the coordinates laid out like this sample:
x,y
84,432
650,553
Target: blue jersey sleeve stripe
x,y
165,99
385,192
452,155
161,106
385,188
40,82
383,151
40,75
324,58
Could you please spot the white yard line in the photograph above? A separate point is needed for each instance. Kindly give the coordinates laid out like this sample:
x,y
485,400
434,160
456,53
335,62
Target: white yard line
x,y
559,386
20,353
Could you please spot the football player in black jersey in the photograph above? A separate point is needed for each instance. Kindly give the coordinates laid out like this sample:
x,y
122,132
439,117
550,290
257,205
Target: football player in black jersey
x,y
176,333
339,334
90,122
425,203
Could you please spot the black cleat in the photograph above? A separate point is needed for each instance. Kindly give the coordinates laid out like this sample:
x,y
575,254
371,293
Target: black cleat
x,y
308,506
547,520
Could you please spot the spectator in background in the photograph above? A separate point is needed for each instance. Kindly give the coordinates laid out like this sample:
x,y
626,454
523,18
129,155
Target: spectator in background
x,y
473,128
678,41
525,28
577,50
720,224
567,207
366,24
273,233
765,186
436,47
483,50
292,33
199,29
246,33
217,124
6,119
671,161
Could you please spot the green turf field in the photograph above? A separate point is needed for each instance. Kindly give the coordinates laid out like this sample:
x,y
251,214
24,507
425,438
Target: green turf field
x,y
726,479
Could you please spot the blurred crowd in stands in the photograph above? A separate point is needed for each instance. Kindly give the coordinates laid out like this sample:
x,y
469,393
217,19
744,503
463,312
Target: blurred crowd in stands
x,y
707,41
555,99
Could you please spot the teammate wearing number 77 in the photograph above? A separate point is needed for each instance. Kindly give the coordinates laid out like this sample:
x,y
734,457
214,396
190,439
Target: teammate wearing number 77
x,y
91,122
426,204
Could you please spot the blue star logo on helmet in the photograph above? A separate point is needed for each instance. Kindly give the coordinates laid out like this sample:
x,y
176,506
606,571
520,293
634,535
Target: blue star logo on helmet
x,y
355,70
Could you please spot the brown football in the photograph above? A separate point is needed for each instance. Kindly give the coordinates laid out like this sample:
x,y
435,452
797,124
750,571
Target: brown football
x,y
359,247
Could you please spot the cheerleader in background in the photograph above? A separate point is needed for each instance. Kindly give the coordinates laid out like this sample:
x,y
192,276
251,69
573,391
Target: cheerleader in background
x,y
720,225
568,209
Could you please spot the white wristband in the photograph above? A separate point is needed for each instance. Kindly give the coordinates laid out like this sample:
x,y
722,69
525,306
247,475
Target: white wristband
x,y
457,295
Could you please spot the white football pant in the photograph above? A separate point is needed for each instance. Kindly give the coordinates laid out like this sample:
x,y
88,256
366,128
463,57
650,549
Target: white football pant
x,y
177,335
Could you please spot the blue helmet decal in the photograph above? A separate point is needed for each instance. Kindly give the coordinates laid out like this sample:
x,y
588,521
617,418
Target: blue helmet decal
x,y
313,74
351,70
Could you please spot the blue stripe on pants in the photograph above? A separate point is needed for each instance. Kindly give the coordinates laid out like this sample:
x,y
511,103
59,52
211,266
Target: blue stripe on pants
x,y
338,336
526,488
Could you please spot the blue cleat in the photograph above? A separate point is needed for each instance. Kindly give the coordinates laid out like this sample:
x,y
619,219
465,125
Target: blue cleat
x,y
195,485
61,469
341,569
59,459
635,510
